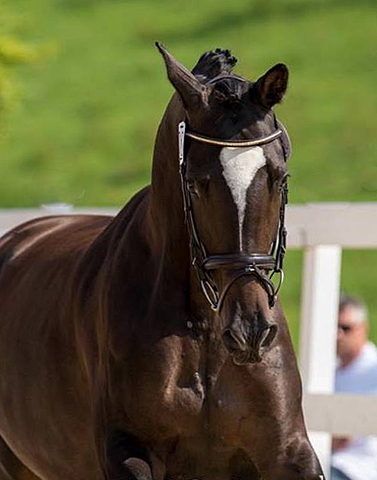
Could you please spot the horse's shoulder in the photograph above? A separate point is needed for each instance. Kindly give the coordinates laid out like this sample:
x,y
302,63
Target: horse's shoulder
x,y
49,238
105,244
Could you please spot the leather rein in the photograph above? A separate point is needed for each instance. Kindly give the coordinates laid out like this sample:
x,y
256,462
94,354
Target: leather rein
x,y
260,266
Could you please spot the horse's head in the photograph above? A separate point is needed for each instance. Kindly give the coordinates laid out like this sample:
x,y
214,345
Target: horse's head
x,y
233,173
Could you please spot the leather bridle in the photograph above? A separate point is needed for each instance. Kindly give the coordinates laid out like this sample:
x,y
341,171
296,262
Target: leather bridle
x,y
261,266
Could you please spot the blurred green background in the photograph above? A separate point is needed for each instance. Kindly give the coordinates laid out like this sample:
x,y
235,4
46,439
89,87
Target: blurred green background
x,y
82,90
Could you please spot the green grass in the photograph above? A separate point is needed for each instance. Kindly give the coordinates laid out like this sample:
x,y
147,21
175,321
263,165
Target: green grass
x,y
90,108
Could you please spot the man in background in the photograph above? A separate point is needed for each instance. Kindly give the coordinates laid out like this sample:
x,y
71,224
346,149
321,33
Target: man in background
x,y
354,458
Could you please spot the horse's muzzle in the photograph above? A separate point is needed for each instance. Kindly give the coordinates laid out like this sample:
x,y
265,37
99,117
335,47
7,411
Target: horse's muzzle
x,y
248,349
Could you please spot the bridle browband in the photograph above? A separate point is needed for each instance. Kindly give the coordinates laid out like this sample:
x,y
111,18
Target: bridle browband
x,y
255,264
235,143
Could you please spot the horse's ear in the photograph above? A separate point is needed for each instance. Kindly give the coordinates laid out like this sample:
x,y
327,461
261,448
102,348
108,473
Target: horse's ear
x,y
186,84
272,86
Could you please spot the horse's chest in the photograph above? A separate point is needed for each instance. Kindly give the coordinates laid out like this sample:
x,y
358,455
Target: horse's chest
x,y
166,384
185,386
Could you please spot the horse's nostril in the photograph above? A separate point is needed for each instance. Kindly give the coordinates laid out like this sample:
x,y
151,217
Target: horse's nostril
x,y
232,342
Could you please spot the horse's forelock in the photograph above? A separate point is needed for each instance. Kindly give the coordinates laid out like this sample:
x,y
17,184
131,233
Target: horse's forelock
x,y
230,88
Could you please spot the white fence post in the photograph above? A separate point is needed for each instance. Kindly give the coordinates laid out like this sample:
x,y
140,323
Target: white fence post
x,y
320,298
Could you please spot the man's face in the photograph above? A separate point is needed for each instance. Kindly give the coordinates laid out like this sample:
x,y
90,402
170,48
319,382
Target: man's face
x,y
352,334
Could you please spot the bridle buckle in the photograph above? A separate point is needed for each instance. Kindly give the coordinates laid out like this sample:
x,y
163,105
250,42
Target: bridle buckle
x,y
249,269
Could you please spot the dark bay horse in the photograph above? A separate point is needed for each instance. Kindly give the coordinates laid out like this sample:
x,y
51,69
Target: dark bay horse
x,y
151,346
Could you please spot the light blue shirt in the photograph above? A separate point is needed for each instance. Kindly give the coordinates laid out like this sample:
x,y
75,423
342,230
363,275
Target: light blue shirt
x,y
359,459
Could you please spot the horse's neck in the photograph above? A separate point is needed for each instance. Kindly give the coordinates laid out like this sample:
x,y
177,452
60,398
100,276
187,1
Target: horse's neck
x,y
148,241
167,224
167,230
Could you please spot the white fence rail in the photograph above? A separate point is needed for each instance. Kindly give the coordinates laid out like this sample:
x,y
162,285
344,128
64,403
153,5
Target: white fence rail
x,y
322,230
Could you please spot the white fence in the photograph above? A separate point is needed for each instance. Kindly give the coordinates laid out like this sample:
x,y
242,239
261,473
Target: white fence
x,y
322,230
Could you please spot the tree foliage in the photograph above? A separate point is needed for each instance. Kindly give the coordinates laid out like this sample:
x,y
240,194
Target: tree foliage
x,y
13,52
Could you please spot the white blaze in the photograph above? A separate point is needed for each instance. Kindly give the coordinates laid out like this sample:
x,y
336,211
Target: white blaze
x,y
240,166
